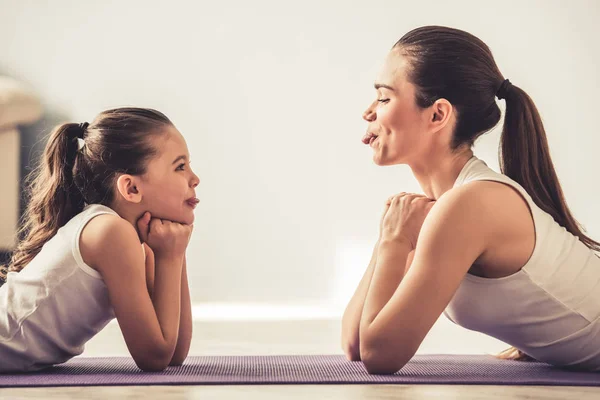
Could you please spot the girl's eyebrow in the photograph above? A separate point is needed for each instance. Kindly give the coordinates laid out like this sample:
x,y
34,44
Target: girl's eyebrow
x,y
381,85
182,157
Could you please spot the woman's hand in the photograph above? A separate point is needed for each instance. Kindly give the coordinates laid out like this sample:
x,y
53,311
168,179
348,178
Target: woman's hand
x,y
403,217
166,238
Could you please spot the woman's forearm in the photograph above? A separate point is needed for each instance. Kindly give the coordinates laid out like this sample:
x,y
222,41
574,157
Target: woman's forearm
x,y
354,310
184,338
389,271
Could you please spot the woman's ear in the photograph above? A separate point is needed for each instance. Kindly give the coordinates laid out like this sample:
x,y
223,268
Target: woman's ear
x,y
442,112
129,188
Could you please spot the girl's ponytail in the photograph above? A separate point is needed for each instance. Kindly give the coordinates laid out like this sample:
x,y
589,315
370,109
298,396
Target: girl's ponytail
x,y
73,173
53,197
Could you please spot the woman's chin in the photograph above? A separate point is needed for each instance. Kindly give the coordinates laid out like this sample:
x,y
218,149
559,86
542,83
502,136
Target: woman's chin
x,y
380,161
386,161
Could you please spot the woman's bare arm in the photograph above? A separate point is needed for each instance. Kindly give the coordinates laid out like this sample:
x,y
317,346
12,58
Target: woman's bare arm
x,y
353,312
395,321
355,308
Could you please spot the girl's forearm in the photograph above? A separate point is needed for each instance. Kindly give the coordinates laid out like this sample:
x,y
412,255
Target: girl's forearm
x,y
167,299
184,338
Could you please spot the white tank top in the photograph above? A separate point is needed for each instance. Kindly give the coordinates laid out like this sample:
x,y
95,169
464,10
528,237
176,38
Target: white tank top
x,y
550,308
50,309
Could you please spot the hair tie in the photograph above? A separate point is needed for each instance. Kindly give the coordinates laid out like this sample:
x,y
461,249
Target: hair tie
x,y
82,127
503,89
80,141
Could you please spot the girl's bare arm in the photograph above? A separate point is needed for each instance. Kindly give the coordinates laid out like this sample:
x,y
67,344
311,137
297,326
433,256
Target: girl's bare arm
x,y
150,326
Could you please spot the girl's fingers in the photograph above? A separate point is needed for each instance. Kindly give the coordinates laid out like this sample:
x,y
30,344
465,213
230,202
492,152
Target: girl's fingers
x,y
143,225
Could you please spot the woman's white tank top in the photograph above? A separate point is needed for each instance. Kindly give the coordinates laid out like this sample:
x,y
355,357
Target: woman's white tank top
x,y
550,308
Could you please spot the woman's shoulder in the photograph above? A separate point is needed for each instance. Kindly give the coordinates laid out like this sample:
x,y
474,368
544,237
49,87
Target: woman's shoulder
x,y
492,208
486,197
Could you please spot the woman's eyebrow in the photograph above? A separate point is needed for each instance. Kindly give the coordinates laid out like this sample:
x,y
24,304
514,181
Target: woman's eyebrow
x,y
382,85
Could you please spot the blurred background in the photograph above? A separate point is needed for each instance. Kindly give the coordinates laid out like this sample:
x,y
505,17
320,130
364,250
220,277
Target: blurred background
x,y
269,96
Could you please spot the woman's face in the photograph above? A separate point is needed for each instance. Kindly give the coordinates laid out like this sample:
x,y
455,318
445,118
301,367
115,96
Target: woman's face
x,y
168,186
396,124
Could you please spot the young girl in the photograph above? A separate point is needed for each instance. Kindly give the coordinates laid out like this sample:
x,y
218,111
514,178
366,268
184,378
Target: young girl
x,y
105,234
496,253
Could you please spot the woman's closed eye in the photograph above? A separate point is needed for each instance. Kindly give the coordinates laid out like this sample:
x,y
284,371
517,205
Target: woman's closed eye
x,y
383,100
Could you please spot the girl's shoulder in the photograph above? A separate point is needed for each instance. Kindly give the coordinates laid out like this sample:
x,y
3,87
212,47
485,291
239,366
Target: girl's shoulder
x,y
108,236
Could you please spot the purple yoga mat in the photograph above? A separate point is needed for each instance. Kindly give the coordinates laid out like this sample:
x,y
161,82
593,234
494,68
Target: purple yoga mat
x,y
328,369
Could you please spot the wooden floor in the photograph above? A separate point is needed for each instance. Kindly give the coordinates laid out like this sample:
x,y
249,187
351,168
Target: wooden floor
x,y
291,337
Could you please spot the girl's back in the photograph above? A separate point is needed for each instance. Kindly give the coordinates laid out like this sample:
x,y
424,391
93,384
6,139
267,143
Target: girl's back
x,y
55,305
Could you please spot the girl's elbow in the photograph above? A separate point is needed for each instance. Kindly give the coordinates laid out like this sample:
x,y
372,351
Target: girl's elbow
x,y
155,361
152,365
177,360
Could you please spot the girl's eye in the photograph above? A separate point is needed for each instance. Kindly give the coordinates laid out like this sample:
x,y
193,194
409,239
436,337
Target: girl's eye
x,y
383,100
180,167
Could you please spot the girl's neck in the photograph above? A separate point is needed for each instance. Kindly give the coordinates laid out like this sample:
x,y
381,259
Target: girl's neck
x,y
128,212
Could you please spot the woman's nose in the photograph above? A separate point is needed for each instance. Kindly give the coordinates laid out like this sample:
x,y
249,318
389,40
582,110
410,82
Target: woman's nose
x,y
369,114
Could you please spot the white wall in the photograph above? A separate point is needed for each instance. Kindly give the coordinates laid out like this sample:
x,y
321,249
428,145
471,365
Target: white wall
x,y
269,95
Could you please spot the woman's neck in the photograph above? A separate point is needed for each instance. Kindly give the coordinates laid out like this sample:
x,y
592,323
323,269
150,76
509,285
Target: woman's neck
x,y
437,174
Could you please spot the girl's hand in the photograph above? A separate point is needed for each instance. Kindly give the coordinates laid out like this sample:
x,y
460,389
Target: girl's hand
x,y
403,217
165,238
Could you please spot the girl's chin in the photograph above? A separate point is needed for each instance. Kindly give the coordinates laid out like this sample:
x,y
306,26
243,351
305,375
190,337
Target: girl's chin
x,y
185,217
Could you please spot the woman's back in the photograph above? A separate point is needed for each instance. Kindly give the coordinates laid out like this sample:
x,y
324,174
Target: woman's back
x,y
55,304
549,308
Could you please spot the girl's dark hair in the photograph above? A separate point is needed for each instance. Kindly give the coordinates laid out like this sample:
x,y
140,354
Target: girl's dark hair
x,y
457,66
116,142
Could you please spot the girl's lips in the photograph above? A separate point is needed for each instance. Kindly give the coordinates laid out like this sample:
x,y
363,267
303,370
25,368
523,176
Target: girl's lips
x,y
193,202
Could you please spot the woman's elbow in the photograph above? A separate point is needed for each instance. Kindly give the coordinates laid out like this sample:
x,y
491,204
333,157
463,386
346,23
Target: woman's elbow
x,y
351,350
381,360
376,366
382,364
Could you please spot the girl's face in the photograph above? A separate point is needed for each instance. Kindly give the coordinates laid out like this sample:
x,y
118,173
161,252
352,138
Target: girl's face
x,y
396,123
168,186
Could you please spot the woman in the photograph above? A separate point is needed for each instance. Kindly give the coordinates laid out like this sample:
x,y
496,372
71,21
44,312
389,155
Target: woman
x,y
496,253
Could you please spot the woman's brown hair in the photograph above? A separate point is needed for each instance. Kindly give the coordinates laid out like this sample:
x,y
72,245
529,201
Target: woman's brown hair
x,y
69,177
457,66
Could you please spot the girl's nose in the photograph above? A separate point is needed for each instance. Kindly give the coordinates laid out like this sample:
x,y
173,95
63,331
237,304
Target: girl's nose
x,y
195,181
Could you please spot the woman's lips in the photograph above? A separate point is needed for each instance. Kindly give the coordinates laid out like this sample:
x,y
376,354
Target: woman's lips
x,y
193,202
369,138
